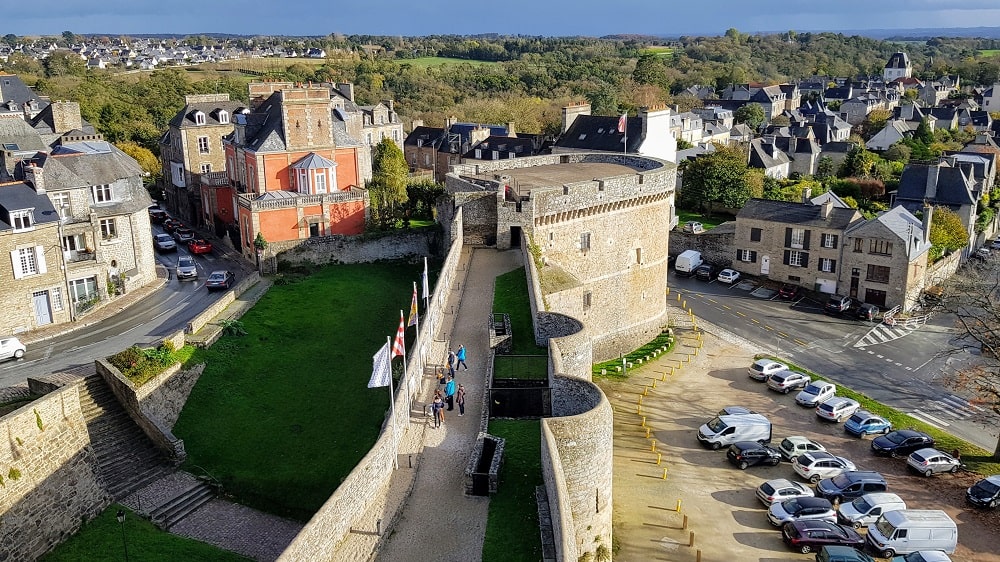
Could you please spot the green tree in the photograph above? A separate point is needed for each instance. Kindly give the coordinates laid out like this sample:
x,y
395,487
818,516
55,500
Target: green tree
x,y
825,168
859,163
387,188
719,178
781,121
648,70
923,133
947,232
752,114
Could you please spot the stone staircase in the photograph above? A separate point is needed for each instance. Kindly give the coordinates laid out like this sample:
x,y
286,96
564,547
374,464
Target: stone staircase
x,y
187,500
128,460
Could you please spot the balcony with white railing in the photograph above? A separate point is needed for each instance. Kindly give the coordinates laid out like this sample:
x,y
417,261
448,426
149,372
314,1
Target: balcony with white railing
x,y
214,179
288,199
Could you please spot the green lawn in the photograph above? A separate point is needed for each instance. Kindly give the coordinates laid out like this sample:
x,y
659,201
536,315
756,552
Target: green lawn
x,y
512,527
511,296
708,221
101,539
977,459
658,50
281,415
424,62
988,52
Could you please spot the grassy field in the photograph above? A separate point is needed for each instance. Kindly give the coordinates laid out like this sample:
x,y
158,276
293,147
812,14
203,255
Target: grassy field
x,y
658,50
708,221
281,415
101,539
988,52
424,62
511,296
512,526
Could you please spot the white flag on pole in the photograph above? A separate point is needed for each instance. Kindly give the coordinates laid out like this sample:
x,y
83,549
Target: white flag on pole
x,y
381,368
427,292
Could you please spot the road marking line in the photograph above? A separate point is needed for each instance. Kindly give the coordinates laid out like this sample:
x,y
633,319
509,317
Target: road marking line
x,y
766,327
800,342
740,313
909,368
888,360
727,307
713,301
938,423
898,364
783,334
755,321
953,413
954,401
880,356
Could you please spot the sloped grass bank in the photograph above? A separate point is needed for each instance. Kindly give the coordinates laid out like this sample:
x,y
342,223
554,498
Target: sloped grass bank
x,y
512,532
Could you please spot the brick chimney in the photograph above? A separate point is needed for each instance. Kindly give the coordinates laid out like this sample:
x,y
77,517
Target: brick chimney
x,y
826,208
346,89
449,121
930,189
571,112
33,175
510,130
928,214
66,116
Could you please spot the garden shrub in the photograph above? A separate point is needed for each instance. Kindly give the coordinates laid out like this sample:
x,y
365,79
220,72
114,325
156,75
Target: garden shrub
x,y
139,365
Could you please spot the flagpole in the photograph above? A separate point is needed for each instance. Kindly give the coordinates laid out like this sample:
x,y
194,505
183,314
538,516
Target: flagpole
x,y
416,340
625,148
392,411
405,378
426,288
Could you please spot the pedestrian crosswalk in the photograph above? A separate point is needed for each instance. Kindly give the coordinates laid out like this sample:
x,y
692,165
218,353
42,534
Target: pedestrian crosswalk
x,y
947,407
882,333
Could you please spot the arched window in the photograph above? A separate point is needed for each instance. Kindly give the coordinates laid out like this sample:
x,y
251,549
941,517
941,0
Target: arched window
x,y
199,118
223,117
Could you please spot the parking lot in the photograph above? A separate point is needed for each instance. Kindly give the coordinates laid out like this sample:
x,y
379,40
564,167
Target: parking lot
x,y
729,523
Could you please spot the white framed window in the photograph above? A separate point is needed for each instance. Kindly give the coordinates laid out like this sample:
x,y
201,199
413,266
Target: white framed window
x,y
827,265
108,230
177,174
199,118
479,153
368,139
748,256
795,258
496,154
101,193
82,290
203,145
829,241
798,237
585,241
27,261
57,301
320,181
302,181
223,116
395,135
206,167
61,201
22,220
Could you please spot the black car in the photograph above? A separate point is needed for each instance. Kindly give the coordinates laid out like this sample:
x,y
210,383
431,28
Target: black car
x,y
157,215
705,272
748,453
808,536
850,485
985,493
837,304
901,442
867,311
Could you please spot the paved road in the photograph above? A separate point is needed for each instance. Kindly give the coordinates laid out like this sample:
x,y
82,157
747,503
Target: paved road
x,y
909,368
165,311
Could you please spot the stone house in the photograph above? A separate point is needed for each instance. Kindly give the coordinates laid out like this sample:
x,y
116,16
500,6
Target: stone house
x,y
500,147
764,154
944,117
17,99
790,242
647,134
898,66
434,150
933,93
687,126
856,109
991,98
192,146
948,183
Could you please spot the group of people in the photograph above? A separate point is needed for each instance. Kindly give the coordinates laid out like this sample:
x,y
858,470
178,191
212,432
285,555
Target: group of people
x,y
453,393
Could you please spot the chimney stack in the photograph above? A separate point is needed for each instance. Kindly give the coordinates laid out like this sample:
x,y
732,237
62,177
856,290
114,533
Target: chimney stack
x,y
930,189
346,89
806,195
826,208
448,122
510,130
33,175
928,214
65,116
571,112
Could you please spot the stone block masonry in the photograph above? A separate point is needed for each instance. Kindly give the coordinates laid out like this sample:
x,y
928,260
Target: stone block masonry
x,y
51,483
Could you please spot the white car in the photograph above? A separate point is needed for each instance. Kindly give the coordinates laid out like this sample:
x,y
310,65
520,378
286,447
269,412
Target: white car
x,y
762,369
729,276
923,556
781,489
11,348
837,409
694,227
815,393
819,465
796,445
930,461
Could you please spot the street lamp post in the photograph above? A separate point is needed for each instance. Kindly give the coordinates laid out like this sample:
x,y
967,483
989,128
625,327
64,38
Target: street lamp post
x,y
121,520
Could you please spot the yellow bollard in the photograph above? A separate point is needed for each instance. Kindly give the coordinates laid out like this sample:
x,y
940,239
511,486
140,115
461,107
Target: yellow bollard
x,y
658,458
678,505
664,474
664,377
640,400
690,312
643,421
684,304
647,430
678,297
638,409
653,448
668,291
645,390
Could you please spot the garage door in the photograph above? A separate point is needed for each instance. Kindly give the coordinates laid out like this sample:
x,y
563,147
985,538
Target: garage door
x,y
876,297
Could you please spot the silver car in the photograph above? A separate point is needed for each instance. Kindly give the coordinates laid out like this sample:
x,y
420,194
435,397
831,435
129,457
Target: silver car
x,y
818,465
186,268
11,348
815,393
930,461
762,369
787,381
781,489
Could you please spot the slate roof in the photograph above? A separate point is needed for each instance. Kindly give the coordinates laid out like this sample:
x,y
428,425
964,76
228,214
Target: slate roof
x,y
263,126
765,155
899,60
823,197
598,132
44,124
313,161
426,135
19,196
899,223
185,117
953,186
12,88
86,169
505,145
786,212
19,132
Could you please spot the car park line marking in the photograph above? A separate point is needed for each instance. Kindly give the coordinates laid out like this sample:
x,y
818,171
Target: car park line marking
x,y
741,314
755,321
927,418
727,307
800,342
880,356
783,334
766,327
713,301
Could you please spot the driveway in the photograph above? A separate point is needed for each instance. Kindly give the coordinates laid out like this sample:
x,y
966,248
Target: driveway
x,y
909,367
728,521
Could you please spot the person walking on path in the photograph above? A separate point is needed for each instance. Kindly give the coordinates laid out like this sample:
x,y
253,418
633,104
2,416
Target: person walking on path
x,y
449,393
460,355
436,407
451,363
460,399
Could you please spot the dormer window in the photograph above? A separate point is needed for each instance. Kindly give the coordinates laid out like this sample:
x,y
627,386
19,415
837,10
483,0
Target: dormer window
x,y
199,118
101,193
22,220
223,117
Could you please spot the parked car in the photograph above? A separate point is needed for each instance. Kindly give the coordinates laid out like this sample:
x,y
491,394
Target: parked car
x,y
863,511
157,215
795,445
850,485
762,369
186,268
750,453
864,422
819,465
729,276
788,291
842,554
807,536
735,411
11,348
705,272
995,245
983,253
985,493
901,442
837,409
867,311
220,280
694,227
815,393
199,246
923,556
930,461
787,381
164,243
183,235
801,509
781,489
837,304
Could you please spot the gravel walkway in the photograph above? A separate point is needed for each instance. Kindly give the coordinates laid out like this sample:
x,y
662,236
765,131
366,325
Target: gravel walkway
x,y
439,522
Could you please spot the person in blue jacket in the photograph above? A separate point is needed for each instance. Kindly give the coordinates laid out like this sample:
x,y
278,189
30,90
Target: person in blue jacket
x,y
460,355
449,393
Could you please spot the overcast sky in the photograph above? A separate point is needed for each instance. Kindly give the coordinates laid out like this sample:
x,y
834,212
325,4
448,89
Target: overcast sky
x,y
535,17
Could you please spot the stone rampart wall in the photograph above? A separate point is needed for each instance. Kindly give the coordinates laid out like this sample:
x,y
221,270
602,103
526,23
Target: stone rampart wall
x,y
216,308
717,245
364,248
51,481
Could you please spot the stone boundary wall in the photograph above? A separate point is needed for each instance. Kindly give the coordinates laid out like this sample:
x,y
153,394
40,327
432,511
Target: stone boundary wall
x,y
717,245
129,397
559,509
943,269
364,248
216,308
163,397
344,528
58,485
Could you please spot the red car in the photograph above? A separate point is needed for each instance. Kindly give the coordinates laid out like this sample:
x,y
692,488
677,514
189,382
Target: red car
x,y
788,291
199,246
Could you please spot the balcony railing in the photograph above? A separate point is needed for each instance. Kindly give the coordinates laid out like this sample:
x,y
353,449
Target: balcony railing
x,y
214,179
297,200
77,256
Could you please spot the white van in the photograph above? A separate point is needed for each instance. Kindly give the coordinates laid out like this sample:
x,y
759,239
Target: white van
x,y
910,530
723,431
687,262
866,510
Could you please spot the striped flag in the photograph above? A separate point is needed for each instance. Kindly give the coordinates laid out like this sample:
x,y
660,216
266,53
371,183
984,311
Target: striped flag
x,y
413,308
399,345
381,370
621,122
